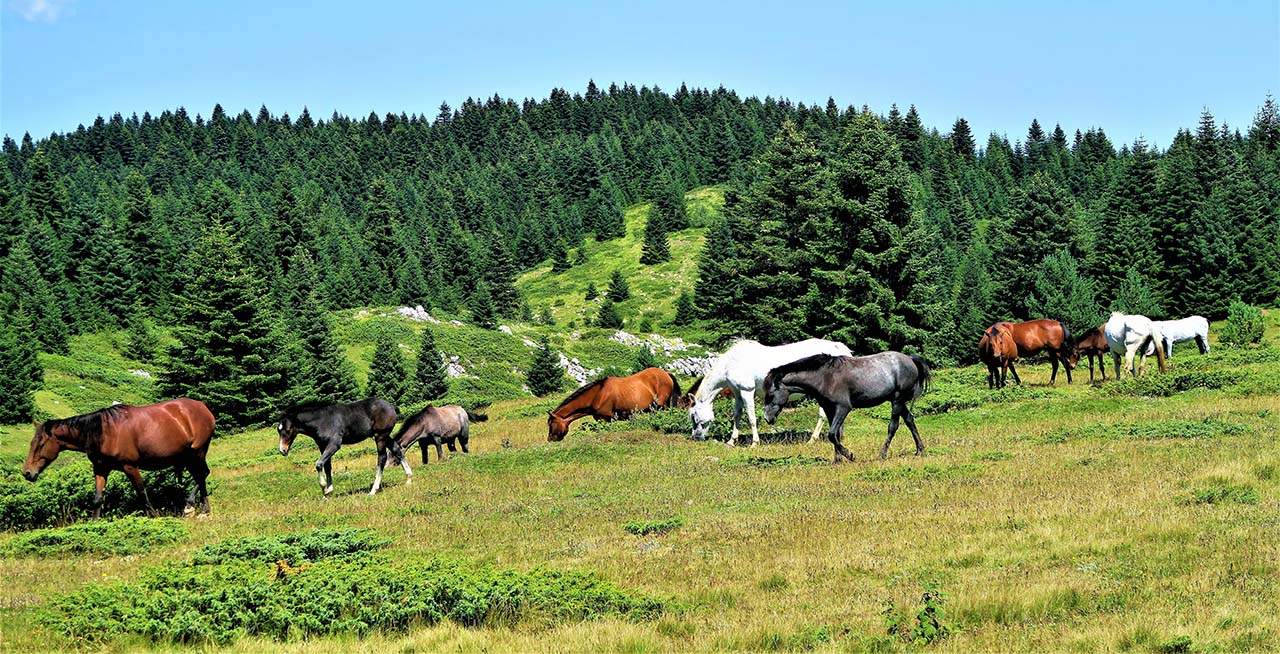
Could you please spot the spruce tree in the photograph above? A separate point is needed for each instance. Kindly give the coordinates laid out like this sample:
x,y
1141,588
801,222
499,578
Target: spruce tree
x,y
388,373
430,379
19,366
608,317
618,289
591,293
1060,292
656,247
483,313
559,258
645,358
961,139
1041,224
1135,296
500,276
108,279
686,311
545,375
668,204
230,351
20,278
141,341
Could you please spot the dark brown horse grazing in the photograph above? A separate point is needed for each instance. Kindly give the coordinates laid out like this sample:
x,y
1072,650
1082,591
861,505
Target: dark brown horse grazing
x,y
1093,344
172,434
438,425
997,350
614,398
1036,336
686,399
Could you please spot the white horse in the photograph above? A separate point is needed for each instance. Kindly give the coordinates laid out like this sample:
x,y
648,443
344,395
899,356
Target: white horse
x,y
743,368
1177,331
1128,334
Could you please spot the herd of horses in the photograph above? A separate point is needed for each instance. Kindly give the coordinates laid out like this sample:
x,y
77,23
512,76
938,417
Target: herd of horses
x,y
176,433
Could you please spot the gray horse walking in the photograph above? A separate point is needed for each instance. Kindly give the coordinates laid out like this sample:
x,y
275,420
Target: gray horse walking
x,y
841,384
438,425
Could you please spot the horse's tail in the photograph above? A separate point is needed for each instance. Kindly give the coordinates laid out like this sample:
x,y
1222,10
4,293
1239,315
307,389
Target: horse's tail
x,y
923,378
476,417
1158,339
1068,343
673,399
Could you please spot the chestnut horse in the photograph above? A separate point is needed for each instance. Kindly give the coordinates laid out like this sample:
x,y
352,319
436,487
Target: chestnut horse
x,y
1035,336
997,350
614,398
1092,344
172,434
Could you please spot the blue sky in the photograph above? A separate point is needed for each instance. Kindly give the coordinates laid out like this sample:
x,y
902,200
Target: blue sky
x,y
1133,68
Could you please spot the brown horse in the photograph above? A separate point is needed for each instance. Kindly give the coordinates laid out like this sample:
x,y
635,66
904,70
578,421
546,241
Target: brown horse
x,y
437,425
1035,336
997,350
614,398
172,434
686,399
1092,344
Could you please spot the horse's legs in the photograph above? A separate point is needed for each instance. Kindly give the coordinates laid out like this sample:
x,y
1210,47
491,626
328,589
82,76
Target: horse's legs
x,y
463,437
1053,361
1115,357
1128,360
1202,342
737,413
422,445
893,427
199,473
439,449
135,478
817,429
749,398
1014,370
915,433
324,471
992,377
1066,363
836,431
382,463
99,485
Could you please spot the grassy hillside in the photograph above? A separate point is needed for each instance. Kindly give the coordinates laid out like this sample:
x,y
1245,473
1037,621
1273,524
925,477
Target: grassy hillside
x,y
1127,516
654,289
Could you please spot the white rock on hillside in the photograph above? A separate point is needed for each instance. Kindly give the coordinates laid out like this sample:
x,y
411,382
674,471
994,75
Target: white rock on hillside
x,y
504,329
577,371
692,366
416,313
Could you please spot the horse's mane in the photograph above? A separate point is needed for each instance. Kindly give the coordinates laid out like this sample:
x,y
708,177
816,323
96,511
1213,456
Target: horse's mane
x,y
812,362
421,412
697,383
87,425
586,387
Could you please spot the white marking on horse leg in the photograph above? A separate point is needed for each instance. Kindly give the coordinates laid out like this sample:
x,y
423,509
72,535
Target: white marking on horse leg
x,y
737,413
320,477
750,401
404,463
817,429
377,480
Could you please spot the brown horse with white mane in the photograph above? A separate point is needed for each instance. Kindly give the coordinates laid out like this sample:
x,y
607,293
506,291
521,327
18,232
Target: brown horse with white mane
x,y
172,434
614,398
1050,336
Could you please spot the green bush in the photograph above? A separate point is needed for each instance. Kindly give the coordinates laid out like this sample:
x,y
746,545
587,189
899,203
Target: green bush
x,y
1153,385
659,527
1244,324
1225,493
233,590
131,535
1160,429
930,624
64,494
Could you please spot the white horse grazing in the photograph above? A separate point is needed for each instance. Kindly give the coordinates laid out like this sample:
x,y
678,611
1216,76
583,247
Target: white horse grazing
x,y
1129,334
1178,331
743,369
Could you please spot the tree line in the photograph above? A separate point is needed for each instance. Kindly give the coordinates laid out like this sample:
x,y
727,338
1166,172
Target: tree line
x,y
242,231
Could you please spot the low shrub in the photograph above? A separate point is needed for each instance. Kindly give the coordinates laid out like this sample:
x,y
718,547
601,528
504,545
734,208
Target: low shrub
x,y
1159,429
235,591
131,535
1225,493
1156,385
753,461
658,527
64,494
930,623
1244,325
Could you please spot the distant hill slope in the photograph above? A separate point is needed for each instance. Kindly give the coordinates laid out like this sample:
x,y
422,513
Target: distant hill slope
x,y
654,289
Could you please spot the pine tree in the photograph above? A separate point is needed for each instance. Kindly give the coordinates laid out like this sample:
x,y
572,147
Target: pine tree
x,y
546,318
644,359
686,312
1135,296
1061,292
20,278
230,351
388,374
608,317
325,375
961,139
545,375
1040,225
668,205
591,293
656,247
430,379
500,276
618,289
19,365
108,279
141,341
483,313
559,258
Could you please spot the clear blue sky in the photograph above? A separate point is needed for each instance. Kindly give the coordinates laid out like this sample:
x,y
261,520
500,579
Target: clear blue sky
x,y
1133,68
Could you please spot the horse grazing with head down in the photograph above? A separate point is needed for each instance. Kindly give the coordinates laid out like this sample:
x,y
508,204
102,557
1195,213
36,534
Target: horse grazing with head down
x,y
1092,344
336,425
841,384
997,350
438,425
743,368
1129,334
1035,336
172,434
614,398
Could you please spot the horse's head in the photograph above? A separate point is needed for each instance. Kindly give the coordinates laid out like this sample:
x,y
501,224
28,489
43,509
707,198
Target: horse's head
x,y
557,427
776,395
45,447
288,429
701,415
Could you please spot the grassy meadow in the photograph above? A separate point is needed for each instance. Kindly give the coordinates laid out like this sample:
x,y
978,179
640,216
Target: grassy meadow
x,y
1122,516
